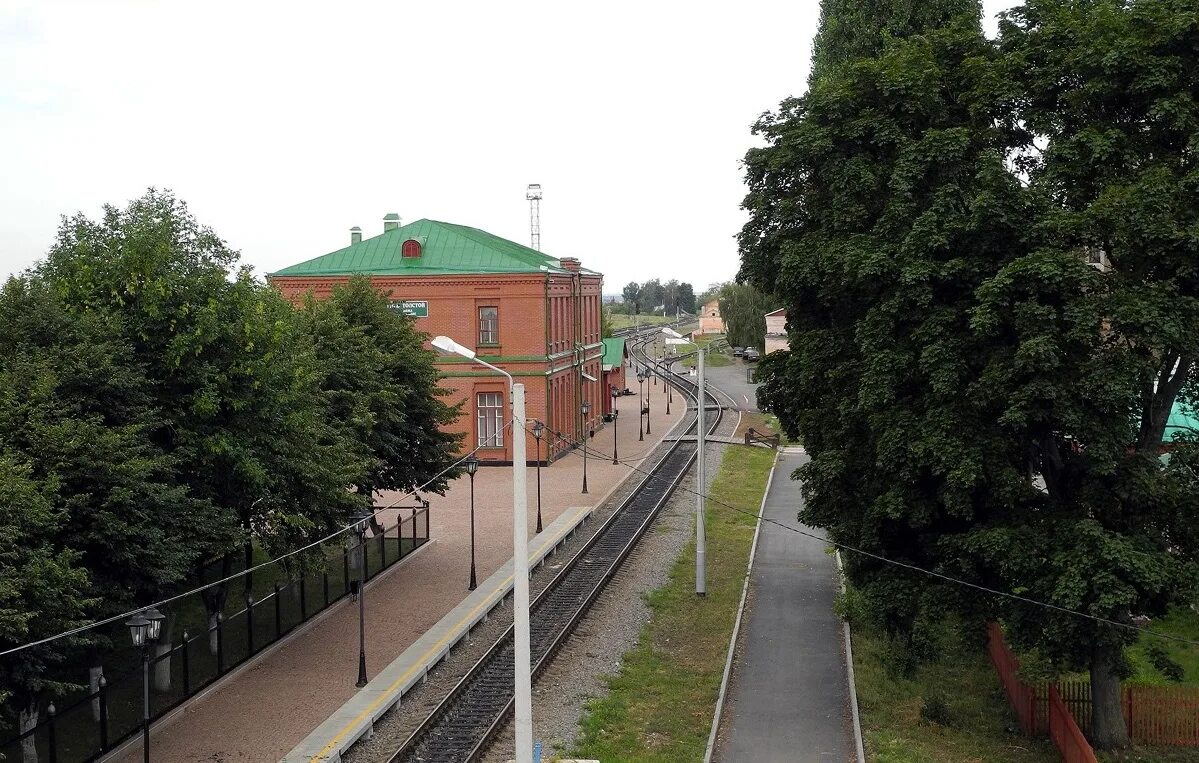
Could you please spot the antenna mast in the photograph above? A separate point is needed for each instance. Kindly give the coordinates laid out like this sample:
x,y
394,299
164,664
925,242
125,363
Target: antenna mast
x,y
533,194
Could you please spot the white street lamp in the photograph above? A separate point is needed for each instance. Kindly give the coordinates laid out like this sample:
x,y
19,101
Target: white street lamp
x,y
520,554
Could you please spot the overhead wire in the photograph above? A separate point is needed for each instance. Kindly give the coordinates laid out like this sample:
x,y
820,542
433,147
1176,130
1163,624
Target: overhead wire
x,y
894,562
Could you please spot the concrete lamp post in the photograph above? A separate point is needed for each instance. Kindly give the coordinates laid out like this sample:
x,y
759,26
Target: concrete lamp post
x,y
472,466
145,629
523,695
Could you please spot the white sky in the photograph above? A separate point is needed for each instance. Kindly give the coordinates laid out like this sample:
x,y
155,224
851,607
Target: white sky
x,y
284,124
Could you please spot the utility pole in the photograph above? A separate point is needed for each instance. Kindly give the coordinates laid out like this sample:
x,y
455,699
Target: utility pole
x,y
701,541
520,583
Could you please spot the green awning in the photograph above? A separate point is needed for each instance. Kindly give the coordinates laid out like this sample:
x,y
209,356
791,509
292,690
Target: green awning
x,y
613,353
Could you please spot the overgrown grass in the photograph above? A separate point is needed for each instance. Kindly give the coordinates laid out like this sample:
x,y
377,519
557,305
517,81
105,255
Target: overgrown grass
x,y
1182,622
715,359
659,707
964,688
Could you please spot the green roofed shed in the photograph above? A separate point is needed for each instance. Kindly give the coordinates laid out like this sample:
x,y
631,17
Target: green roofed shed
x,y
444,249
1182,422
613,353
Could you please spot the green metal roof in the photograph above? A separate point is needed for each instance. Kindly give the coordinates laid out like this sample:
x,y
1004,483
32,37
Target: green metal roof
x,y
1182,421
613,352
446,249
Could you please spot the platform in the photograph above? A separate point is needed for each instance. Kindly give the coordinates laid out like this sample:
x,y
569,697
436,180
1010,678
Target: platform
x,y
357,716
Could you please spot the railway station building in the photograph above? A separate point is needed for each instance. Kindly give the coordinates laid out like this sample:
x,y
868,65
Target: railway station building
x,y
533,315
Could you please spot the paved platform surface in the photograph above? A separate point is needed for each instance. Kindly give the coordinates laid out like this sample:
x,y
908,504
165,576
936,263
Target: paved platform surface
x,y
731,379
789,695
356,717
264,711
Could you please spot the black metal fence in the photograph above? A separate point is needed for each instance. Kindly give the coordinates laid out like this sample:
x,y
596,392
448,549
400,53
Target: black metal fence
x,y
85,724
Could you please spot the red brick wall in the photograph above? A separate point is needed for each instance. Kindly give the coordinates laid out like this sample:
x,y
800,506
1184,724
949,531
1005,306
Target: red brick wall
x,y
573,307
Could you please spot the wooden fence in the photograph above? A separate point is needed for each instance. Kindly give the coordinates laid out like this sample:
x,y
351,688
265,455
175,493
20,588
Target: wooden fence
x,y
1040,708
1156,715
1064,732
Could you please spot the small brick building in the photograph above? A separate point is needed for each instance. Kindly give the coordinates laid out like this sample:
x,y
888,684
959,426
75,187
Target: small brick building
x,y
535,316
776,331
710,321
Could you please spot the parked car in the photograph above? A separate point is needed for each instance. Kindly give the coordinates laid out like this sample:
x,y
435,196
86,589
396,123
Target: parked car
x,y
752,355
738,352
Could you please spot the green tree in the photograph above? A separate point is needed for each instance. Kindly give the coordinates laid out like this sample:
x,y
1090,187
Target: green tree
x,y
653,295
949,340
632,296
380,383
43,591
879,203
1088,365
856,29
685,300
743,309
236,380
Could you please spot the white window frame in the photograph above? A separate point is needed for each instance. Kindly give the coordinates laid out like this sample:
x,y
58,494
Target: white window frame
x,y
493,325
489,419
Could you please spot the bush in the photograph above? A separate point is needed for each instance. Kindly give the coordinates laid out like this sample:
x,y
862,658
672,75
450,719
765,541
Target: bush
x,y
936,710
850,605
1164,664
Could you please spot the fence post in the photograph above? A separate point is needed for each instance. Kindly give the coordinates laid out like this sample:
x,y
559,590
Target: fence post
x,y
220,643
303,597
345,567
249,624
278,612
103,714
383,550
413,528
1128,709
325,585
51,712
187,677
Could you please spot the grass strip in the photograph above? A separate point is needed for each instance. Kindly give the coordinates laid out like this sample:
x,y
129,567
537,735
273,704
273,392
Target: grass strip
x,y
659,706
976,724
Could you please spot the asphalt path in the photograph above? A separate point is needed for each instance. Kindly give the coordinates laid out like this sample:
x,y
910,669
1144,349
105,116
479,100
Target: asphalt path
x,y
732,379
789,695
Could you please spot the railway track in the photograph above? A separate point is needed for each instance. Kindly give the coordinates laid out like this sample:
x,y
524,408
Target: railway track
x,y
463,725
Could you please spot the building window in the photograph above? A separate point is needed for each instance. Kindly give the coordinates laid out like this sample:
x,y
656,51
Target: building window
x,y
489,325
490,413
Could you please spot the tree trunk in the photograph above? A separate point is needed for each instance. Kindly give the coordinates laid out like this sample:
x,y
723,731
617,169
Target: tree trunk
x,y
214,601
93,684
1108,728
212,635
162,668
27,720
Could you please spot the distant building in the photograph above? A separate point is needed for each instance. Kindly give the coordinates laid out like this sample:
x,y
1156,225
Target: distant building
x,y
535,316
776,331
710,321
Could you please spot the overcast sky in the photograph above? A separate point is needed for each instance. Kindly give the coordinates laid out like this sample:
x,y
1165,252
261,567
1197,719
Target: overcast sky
x,y
284,124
